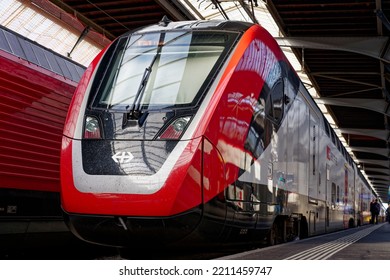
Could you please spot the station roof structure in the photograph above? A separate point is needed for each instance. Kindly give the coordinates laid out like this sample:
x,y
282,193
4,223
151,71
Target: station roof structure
x,y
341,49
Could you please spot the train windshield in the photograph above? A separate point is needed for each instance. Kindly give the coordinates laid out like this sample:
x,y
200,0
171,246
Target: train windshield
x,y
159,70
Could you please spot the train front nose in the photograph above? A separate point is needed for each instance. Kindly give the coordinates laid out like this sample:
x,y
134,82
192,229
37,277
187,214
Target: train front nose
x,y
136,187
132,158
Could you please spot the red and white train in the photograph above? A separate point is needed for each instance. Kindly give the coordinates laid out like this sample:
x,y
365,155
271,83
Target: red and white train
x,y
191,133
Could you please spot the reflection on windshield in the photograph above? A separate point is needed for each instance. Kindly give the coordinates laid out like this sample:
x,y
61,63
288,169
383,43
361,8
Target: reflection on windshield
x,y
179,64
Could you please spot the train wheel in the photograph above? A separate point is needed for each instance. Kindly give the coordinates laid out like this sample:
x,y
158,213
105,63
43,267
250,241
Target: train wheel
x,y
273,235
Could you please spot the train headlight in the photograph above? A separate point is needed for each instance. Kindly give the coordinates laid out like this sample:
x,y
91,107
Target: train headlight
x,y
180,124
92,128
175,129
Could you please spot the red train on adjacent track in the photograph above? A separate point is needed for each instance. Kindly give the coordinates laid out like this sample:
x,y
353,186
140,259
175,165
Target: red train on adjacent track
x,y
36,87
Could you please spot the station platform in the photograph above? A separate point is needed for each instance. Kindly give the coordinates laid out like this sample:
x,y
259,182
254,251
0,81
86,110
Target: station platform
x,y
369,242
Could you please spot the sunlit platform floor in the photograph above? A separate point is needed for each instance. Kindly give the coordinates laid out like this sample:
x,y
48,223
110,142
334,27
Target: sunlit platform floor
x,y
369,242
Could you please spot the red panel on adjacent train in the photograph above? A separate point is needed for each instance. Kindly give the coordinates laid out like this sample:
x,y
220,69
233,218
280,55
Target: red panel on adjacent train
x,y
33,108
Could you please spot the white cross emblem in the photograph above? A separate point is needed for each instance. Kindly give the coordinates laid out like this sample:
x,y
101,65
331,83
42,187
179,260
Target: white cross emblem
x,y
122,157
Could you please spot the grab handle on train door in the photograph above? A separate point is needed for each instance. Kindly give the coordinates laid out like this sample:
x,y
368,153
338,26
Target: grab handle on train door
x,y
314,150
314,164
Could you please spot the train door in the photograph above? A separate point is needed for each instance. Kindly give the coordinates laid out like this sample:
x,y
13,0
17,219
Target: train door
x,y
349,196
313,171
327,190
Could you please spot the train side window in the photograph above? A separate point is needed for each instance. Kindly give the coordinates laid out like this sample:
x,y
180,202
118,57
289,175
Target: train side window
x,y
327,130
344,153
277,101
333,137
338,144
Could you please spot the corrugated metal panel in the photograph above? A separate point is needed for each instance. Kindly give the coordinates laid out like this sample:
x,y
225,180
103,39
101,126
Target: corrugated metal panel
x,y
21,47
33,108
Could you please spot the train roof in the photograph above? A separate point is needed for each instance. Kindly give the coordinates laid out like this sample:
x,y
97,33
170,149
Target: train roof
x,y
31,51
166,24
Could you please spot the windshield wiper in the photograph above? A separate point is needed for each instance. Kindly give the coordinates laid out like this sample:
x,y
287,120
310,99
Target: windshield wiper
x,y
135,113
135,110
